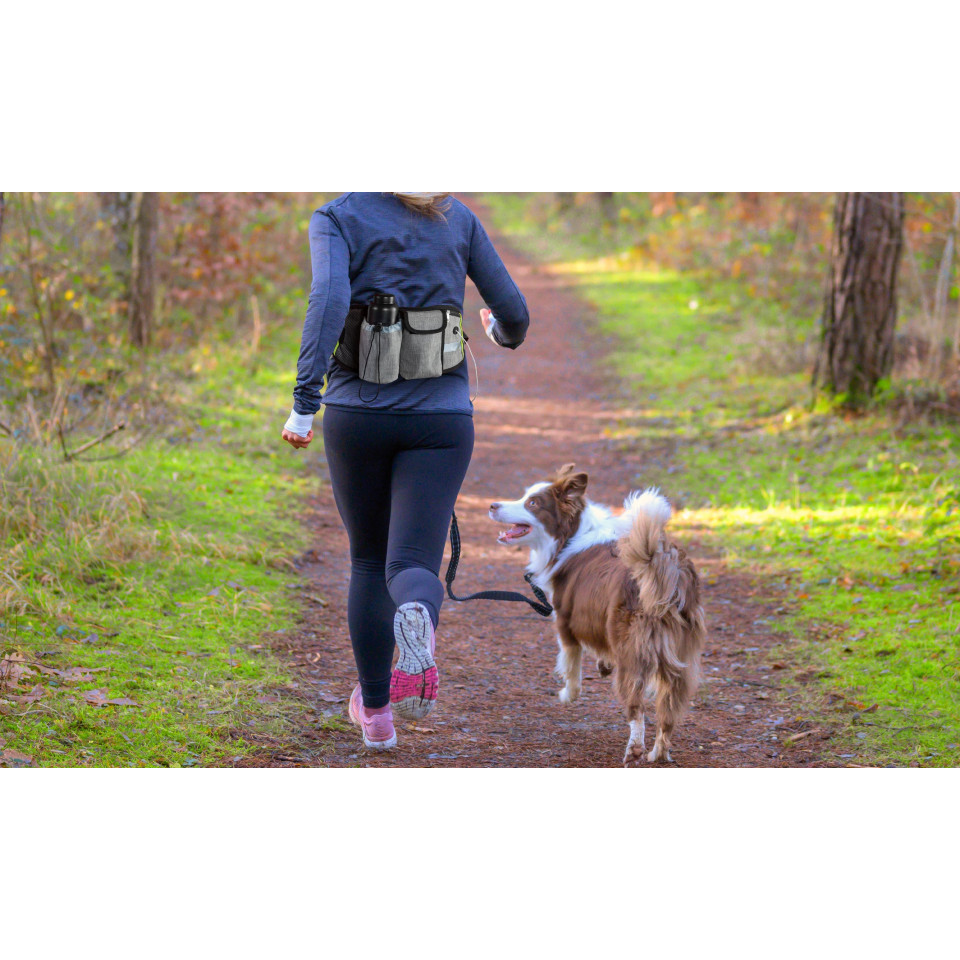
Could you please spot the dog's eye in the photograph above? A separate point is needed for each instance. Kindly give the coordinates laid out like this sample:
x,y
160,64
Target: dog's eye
x,y
532,502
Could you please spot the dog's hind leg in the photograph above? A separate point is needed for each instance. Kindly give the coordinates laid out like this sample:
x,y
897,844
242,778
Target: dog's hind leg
x,y
630,692
604,667
636,743
569,663
669,707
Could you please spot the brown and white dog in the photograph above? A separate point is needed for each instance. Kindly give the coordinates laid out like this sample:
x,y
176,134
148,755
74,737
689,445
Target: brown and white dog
x,y
619,587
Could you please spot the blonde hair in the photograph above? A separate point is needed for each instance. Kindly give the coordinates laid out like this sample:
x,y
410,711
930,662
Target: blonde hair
x,y
429,204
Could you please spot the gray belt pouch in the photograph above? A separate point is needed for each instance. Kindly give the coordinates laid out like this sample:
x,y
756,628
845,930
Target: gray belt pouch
x,y
380,359
421,352
453,342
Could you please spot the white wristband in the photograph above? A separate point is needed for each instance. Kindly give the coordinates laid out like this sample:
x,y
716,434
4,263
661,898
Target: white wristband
x,y
299,423
491,331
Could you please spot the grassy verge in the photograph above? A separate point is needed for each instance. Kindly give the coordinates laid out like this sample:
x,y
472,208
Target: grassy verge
x,y
852,524
136,593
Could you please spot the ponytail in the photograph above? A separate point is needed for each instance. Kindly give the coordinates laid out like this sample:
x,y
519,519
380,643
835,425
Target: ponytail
x,y
432,205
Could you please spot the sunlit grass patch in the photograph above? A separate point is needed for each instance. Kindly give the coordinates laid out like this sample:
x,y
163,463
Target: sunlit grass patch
x,y
864,596
154,580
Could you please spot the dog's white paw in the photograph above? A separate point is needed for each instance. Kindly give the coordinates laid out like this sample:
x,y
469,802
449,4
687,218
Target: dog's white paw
x,y
634,755
568,694
657,752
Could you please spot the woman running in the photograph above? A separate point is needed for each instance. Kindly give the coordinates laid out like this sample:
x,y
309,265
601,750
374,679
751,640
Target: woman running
x,y
397,450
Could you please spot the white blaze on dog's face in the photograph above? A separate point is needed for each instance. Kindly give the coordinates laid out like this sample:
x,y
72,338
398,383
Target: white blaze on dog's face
x,y
525,524
546,515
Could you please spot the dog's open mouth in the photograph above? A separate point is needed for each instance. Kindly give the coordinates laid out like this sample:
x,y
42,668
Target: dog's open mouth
x,y
517,531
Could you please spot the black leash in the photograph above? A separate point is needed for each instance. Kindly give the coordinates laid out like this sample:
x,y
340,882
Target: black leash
x,y
543,607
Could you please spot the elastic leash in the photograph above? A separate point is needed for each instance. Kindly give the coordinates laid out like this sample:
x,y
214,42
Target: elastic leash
x,y
543,607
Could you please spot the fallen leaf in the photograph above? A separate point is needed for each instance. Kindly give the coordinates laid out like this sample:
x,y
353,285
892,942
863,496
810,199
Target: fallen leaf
x,y
330,698
99,698
79,674
33,696
800,736
13,669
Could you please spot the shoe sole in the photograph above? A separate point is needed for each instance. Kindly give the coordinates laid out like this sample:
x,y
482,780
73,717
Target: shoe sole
x,y
415,682
379,745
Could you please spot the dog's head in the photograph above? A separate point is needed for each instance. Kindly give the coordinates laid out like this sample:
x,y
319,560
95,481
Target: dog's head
x,y
548,513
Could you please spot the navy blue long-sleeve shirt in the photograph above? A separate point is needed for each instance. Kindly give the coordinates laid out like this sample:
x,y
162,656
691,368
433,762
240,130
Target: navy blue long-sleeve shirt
x,y
366,243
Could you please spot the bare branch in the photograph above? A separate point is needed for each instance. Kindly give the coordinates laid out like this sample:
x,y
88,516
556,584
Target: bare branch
x,y
120,453
92,443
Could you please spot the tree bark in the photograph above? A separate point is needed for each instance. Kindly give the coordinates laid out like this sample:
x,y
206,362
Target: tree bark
x,y
608,207
119,210
143,269
860,312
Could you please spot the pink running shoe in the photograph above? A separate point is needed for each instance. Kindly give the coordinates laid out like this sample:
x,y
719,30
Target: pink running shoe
x,y
415,682
377,728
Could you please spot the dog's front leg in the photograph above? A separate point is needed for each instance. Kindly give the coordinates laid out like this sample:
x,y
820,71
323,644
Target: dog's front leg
x,y
569,664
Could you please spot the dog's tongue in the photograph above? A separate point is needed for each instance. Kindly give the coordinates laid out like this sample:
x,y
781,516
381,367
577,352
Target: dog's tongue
x,y
517,530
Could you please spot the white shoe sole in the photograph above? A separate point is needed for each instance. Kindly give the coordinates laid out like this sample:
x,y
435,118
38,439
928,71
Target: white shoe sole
x,y
411,628
379,745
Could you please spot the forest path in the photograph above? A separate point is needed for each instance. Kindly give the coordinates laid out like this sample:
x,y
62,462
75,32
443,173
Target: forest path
x,y
538,407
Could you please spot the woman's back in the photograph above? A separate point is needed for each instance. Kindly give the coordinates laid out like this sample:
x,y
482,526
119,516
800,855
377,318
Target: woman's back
x,y
421,260
367,243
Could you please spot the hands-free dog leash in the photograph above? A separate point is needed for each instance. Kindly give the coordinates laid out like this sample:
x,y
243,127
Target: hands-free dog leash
x,y
543,607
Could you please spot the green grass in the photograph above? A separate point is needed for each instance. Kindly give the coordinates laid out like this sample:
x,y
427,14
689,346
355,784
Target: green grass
x,y
158,577
851,525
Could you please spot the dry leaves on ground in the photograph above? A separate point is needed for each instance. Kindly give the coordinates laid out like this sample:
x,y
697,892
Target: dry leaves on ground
x,y
101,698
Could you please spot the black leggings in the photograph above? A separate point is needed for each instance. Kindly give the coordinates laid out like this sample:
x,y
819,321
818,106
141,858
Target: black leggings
x,y
395,478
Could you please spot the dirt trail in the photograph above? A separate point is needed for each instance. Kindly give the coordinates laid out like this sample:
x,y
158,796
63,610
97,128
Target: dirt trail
x,y
538,407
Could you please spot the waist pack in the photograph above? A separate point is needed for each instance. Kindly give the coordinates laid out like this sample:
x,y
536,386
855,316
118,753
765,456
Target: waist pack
x,y
382,342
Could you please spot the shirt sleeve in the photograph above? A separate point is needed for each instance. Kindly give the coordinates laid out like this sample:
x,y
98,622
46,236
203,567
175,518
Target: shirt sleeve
x,y
499,292
327,309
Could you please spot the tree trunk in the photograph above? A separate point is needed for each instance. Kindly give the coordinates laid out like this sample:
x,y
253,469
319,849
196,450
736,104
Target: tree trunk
x,y
608,206
143,269
860,312
119,210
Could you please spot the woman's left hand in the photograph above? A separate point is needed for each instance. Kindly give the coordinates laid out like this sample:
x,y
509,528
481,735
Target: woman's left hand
x,y
297,441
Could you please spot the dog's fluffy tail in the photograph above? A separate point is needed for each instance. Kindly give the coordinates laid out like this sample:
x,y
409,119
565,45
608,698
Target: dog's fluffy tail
x,y
653,562
669,633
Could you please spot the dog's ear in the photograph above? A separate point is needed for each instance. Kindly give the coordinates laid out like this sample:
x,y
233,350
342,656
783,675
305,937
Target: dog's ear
x,y
573,484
